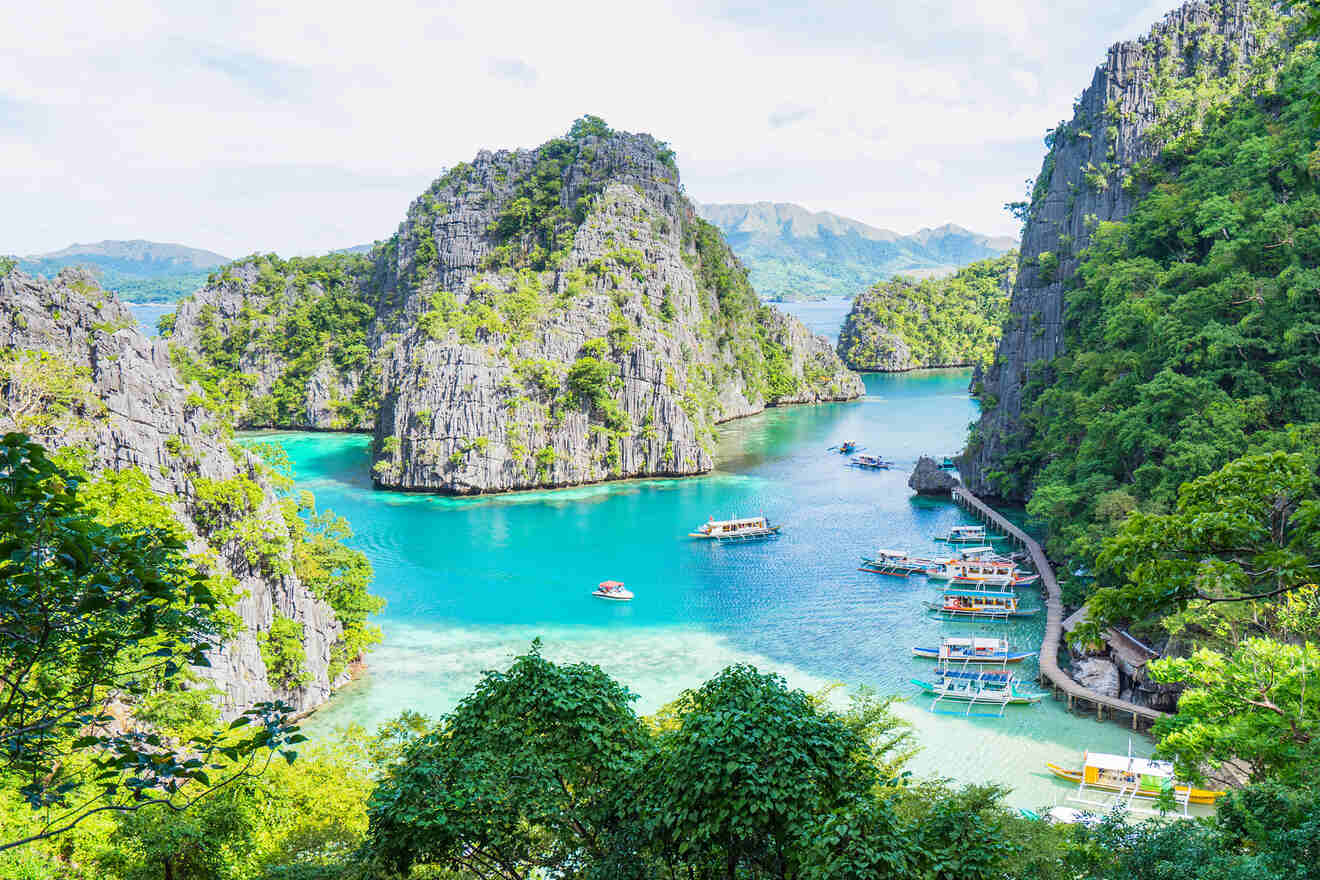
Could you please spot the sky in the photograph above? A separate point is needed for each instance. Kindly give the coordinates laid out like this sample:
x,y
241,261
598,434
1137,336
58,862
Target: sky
x,y
299,126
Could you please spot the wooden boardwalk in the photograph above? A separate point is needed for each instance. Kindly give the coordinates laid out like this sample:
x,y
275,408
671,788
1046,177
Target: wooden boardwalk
x,y
1050,672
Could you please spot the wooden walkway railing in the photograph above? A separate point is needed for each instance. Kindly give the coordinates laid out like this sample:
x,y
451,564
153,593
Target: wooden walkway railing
x,y
1049,647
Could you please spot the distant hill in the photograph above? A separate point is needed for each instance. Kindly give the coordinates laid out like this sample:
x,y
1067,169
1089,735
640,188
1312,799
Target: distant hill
x,y
795,254
138,271
355,249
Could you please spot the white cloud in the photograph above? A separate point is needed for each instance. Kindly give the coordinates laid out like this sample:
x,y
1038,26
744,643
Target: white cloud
x,y
300,126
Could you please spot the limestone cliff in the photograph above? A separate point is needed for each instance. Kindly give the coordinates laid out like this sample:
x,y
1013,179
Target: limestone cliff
x,y
1147,94
75,372
544,317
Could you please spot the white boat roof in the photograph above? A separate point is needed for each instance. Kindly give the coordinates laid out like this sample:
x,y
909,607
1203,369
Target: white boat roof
x,y
1125,764
976,642
967,529
891,553
976,551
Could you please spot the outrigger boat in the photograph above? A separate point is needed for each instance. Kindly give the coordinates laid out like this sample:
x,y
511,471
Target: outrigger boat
x,y
871,462
965,602
747,529
959,649
847,447
977,687
967,535
612,590
1130,779
981,571
895,562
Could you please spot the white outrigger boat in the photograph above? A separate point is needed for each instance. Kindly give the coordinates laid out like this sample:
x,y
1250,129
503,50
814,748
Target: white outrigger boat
x,y
870,462
961,649
746,529
1109,781
967,535
977,687
895,562
981,570
966,602
613,590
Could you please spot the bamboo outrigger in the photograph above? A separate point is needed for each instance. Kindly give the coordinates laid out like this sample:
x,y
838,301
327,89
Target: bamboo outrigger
x,y
894,562
976,687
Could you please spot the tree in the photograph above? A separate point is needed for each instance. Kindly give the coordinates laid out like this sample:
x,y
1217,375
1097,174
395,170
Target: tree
x,y
1248,531
93,619
1257,705
749,765
521,776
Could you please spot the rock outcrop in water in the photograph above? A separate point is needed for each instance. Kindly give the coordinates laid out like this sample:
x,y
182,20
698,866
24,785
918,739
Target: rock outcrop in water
x,y
1146,94
77,374
928,478
542,318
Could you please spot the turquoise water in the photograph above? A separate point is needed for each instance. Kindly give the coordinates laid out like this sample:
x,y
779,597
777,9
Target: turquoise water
x,y
470,582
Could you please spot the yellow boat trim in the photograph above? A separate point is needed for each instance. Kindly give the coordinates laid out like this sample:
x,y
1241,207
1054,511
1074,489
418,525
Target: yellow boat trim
x,y
1198,795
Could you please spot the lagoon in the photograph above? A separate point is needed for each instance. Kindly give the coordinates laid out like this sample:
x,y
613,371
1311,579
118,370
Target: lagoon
x,y
471,582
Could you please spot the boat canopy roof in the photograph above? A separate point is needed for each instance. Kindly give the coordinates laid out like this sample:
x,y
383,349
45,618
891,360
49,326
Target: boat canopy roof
x,y
977,594
1125,764
976,551
967,529
610,585
891,553
974,642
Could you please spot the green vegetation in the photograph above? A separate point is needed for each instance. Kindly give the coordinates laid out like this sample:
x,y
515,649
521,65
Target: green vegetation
x,y
307,311
793,254
1172,449
95,616
283,653
942,322
1189,335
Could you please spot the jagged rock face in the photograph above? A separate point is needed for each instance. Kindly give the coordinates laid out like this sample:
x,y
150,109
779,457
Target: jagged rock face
x,y
1098,674
134,412
542,318
879,349
460,418
1137,100
928,478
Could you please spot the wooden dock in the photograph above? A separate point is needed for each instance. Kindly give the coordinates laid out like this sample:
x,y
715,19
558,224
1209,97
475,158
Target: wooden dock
x,y
1050,673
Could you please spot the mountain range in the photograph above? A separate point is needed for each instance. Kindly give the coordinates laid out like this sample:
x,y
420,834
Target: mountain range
x,y
795,254
137,270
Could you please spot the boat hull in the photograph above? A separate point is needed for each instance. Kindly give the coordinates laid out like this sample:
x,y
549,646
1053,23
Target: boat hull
x,y
1013,657
978,612
1196,795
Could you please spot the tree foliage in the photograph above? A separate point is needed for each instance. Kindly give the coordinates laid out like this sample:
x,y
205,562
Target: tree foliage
x,y
94,617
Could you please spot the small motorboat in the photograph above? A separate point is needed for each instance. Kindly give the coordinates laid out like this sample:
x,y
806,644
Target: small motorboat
x,y
871,462
847,447
612,590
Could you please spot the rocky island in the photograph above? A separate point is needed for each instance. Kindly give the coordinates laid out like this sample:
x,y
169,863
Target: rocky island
x,y
903,324
541,318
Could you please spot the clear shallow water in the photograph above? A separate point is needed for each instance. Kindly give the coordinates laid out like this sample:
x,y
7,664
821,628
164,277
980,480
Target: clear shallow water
x,y
470,582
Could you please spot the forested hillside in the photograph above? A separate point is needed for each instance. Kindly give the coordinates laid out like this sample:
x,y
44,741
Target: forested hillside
x,y
136,271
795,254
906,325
